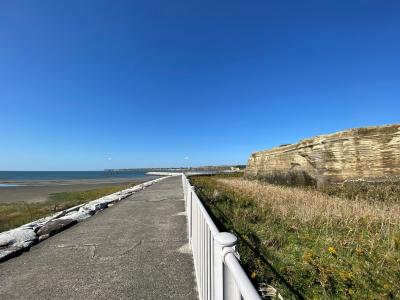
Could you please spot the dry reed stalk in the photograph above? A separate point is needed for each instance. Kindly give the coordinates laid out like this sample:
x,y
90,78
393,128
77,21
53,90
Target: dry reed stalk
x,y
311,207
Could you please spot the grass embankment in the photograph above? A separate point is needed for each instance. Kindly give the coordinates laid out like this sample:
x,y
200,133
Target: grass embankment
x,y
18,213
312,244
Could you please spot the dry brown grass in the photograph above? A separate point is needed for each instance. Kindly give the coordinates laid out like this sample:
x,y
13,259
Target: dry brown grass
x,y
311,207
342,245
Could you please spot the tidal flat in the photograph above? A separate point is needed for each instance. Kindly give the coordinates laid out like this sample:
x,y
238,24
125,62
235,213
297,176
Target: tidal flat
x,y
26,203
30,191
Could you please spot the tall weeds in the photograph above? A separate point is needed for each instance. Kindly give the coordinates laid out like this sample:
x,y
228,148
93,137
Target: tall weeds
x,y
323,246
313,208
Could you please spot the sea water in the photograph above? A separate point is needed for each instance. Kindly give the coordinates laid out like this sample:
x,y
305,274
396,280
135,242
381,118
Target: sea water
x,y
68,175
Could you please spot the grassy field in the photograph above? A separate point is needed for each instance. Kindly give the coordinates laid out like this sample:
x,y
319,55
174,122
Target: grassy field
x,y
18,213
341,243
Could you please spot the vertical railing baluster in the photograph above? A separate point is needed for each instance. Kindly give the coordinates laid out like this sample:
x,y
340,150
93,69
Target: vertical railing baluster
x,y
199,249
204,259
222,240
212,267
189,215
209,264
195,237
202,256
185,189
197,244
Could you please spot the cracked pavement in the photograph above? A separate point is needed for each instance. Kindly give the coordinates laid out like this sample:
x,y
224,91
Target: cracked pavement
x,y
136,249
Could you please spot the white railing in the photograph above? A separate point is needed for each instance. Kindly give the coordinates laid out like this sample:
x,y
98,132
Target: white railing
x,y
218,271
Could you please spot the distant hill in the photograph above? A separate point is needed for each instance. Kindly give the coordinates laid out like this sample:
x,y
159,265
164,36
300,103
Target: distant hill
x,y
178,169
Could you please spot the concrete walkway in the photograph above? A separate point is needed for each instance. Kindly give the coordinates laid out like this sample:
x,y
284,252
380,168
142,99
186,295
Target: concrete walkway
x,y
136,249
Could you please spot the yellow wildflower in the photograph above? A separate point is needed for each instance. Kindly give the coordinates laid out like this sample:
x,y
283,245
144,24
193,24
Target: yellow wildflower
x,y
332,250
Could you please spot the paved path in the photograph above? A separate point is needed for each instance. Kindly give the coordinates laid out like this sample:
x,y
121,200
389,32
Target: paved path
x,y
136,249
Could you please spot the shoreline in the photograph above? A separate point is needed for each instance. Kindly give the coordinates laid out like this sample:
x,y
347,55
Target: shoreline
x,y
40,190
51,182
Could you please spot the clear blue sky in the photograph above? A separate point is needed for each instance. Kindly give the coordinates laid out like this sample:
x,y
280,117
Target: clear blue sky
x,y
87,85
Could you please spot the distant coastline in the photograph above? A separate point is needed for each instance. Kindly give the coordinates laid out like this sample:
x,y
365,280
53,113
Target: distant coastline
x,y
182,169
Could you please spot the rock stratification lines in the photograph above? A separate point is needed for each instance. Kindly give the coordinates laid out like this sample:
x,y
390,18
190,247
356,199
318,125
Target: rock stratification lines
x,y
361,153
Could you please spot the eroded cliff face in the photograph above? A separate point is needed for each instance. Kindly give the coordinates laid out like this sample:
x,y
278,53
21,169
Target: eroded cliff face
x,y
361,153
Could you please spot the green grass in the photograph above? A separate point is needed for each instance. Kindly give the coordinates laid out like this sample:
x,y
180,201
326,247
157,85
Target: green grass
x,y
16,214
308,244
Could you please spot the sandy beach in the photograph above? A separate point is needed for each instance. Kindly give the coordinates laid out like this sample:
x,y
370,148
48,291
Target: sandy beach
x,y
37,190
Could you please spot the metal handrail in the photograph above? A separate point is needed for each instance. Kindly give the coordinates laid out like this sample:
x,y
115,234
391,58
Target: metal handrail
x,y
219,274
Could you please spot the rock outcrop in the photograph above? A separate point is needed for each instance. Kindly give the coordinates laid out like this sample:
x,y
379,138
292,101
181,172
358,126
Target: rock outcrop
x,y
368,153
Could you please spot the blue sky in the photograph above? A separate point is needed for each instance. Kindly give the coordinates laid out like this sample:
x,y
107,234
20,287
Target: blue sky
x,y
88,85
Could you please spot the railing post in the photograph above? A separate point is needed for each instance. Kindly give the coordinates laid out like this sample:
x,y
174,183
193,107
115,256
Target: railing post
x,y
184,186
189,214
224,285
